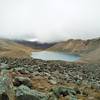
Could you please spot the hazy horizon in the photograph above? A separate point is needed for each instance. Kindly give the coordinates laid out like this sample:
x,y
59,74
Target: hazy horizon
x,y
49,20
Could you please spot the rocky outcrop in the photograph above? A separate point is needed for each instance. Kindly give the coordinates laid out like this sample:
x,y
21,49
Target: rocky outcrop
x,y
6,87
32,79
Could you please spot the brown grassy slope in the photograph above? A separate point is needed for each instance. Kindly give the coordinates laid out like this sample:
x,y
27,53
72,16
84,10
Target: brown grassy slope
x,y
89,49
72,46
9,48
93,56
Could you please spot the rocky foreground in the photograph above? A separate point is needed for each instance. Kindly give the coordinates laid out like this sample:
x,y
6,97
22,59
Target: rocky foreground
x,y
33,79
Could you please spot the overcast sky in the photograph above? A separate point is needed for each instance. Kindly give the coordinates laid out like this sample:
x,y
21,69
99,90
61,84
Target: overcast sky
x,y
49,20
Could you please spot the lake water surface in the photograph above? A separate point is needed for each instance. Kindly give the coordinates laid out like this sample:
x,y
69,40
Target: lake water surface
x,y
47,55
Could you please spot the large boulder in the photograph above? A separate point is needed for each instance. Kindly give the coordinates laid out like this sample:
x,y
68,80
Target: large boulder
x,y
25,93
6,87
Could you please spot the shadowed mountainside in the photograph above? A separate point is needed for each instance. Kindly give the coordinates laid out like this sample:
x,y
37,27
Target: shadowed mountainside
x,y
35,44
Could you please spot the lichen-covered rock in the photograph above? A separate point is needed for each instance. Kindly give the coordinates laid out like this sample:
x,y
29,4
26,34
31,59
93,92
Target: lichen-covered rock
x,y
6,87
73,98
22,81
52,97
4,66
64,91
25,93
52,80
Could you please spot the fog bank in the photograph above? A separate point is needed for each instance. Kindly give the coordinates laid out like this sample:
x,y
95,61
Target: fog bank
x,y
49,20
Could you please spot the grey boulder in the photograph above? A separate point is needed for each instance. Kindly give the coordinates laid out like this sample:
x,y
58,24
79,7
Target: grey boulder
x,y
25,93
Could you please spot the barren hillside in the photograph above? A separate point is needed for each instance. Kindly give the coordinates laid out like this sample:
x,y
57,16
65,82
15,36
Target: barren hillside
x,y
9,48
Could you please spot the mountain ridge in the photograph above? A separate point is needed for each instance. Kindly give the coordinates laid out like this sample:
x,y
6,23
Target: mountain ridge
x,y
87,49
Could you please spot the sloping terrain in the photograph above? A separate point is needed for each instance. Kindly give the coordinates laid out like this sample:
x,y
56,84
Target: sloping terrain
x,y
72,46
32,79
92,56
9,48
88,49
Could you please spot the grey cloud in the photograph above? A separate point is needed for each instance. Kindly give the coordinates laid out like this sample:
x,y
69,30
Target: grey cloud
x,y
49,20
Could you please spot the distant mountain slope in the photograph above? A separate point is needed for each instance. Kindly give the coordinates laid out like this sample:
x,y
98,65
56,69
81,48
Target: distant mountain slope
x,y
76,46
88,49
35,45
93,56
69,46
9,48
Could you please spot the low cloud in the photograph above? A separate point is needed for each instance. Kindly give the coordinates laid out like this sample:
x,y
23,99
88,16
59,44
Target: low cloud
x,y
49,20
53,37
